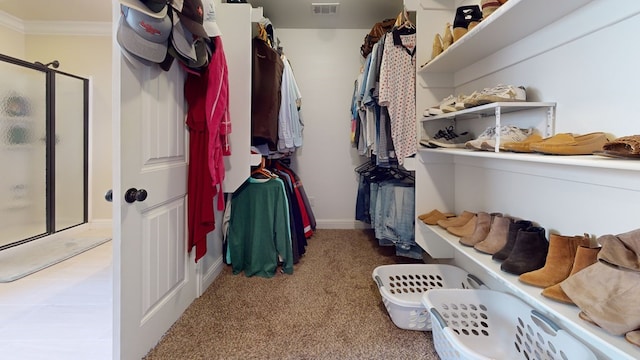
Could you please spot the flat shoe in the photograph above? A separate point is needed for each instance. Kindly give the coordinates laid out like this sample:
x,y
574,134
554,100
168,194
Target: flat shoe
x,y
626,147
568,144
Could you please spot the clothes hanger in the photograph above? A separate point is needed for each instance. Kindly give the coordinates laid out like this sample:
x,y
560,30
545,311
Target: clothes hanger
x,y
262,170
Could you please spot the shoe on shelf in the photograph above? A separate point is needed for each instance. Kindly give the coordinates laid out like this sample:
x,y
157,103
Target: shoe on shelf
x,y
436,109
450,106
569,144
489,6
448,138
521,146
447,38
466,17
488,134
507,134
501,93
437,47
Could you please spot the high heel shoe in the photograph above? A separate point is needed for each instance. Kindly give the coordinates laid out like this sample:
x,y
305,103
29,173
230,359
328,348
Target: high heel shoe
x,y
437,46
489,6
467,17
447,38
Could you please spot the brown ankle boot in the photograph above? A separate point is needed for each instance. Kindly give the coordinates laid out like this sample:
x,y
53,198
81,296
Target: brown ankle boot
x,y
557,267
514,227
464,230
585,256
483,224
497,237
529,253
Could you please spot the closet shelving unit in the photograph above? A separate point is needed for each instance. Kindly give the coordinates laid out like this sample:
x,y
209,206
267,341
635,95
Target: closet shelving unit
x,y
561,193
496,110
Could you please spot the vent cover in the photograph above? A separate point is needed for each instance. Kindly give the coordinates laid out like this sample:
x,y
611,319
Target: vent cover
x,y
324,8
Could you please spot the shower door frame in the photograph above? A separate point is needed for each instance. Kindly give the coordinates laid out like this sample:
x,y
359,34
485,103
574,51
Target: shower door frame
x,y
50,149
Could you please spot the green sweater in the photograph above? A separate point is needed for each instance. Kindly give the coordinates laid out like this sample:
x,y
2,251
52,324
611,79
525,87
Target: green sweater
x,y
259,229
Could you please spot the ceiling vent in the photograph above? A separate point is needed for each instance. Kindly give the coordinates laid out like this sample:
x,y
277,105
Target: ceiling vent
x,y
324,8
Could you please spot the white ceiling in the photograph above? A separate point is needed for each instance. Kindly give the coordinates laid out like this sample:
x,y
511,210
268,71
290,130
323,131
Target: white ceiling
x,y
352,14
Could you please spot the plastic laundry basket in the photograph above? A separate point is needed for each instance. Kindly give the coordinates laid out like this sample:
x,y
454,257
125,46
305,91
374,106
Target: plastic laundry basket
x,y
487,324
402,285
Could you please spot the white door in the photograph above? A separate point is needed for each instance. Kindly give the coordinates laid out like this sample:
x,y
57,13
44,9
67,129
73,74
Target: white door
x,y
154,277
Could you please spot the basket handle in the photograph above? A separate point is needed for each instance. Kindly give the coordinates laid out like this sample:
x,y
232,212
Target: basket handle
x,y
379,281
475,282
535,314
437,316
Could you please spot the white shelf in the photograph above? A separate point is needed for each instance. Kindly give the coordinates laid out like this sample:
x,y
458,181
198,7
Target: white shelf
x,y
490,110
514,20
618,347
592,161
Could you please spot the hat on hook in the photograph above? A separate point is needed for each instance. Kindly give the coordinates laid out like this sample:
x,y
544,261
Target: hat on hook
x,y
209,18
153,8
143,35
191,14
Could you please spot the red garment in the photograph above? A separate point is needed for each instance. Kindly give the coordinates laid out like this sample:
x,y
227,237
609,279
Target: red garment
x,y
297,184
218,120
200,188
209,126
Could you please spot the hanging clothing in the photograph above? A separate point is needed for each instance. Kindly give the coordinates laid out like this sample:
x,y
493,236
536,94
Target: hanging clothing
x,y
259,231
397,91
267,69
290,124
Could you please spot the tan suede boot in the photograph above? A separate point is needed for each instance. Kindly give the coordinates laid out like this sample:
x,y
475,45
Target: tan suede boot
x,y
456,221
464,230
585,256
557,266
433,218
497,237
480,232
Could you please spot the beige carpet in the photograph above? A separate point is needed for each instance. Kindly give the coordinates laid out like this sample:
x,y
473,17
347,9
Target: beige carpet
x,y
330,308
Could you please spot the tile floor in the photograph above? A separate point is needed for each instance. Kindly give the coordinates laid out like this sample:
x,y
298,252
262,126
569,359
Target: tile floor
x,y
62,312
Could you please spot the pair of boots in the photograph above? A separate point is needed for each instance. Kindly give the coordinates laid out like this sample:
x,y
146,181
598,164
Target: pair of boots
x,y
559,260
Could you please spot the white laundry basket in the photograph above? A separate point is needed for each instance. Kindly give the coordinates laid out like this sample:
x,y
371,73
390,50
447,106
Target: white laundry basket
x,y
481,324
402,285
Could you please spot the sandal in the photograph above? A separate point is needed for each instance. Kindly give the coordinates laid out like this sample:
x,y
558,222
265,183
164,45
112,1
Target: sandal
x,y
626,147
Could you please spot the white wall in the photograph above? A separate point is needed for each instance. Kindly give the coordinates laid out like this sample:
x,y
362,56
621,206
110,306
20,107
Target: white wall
x,y
326,63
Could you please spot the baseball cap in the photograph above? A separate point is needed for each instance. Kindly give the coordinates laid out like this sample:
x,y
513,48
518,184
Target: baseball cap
x,y
191,14
182,39
143,35
209,18
153,8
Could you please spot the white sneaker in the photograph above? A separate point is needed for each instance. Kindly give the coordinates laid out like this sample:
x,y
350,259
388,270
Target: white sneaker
x,y
508,133
488,134
501,93
436,109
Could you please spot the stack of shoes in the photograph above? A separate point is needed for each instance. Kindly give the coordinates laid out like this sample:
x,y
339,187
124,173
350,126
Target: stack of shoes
x,y
438,109
448,138
569,144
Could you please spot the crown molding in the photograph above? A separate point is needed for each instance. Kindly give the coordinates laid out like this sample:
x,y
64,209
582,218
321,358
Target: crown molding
x,y
79,28
11,22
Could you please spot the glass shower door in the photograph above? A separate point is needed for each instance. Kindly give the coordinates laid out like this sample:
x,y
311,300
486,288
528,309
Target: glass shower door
x,y
70,139
23,115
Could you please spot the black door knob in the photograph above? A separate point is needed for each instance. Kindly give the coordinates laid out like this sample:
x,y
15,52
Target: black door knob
x,y
109,195
132,195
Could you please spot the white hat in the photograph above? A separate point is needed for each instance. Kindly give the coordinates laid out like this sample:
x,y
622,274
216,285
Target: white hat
x,y
153,8
143,35
209,18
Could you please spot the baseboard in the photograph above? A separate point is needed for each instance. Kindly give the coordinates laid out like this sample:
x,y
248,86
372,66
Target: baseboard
x,y
210,275
341,224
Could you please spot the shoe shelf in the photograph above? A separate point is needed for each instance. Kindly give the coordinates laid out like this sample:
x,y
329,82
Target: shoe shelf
x,y
492,109
512,21
613,347
590,161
